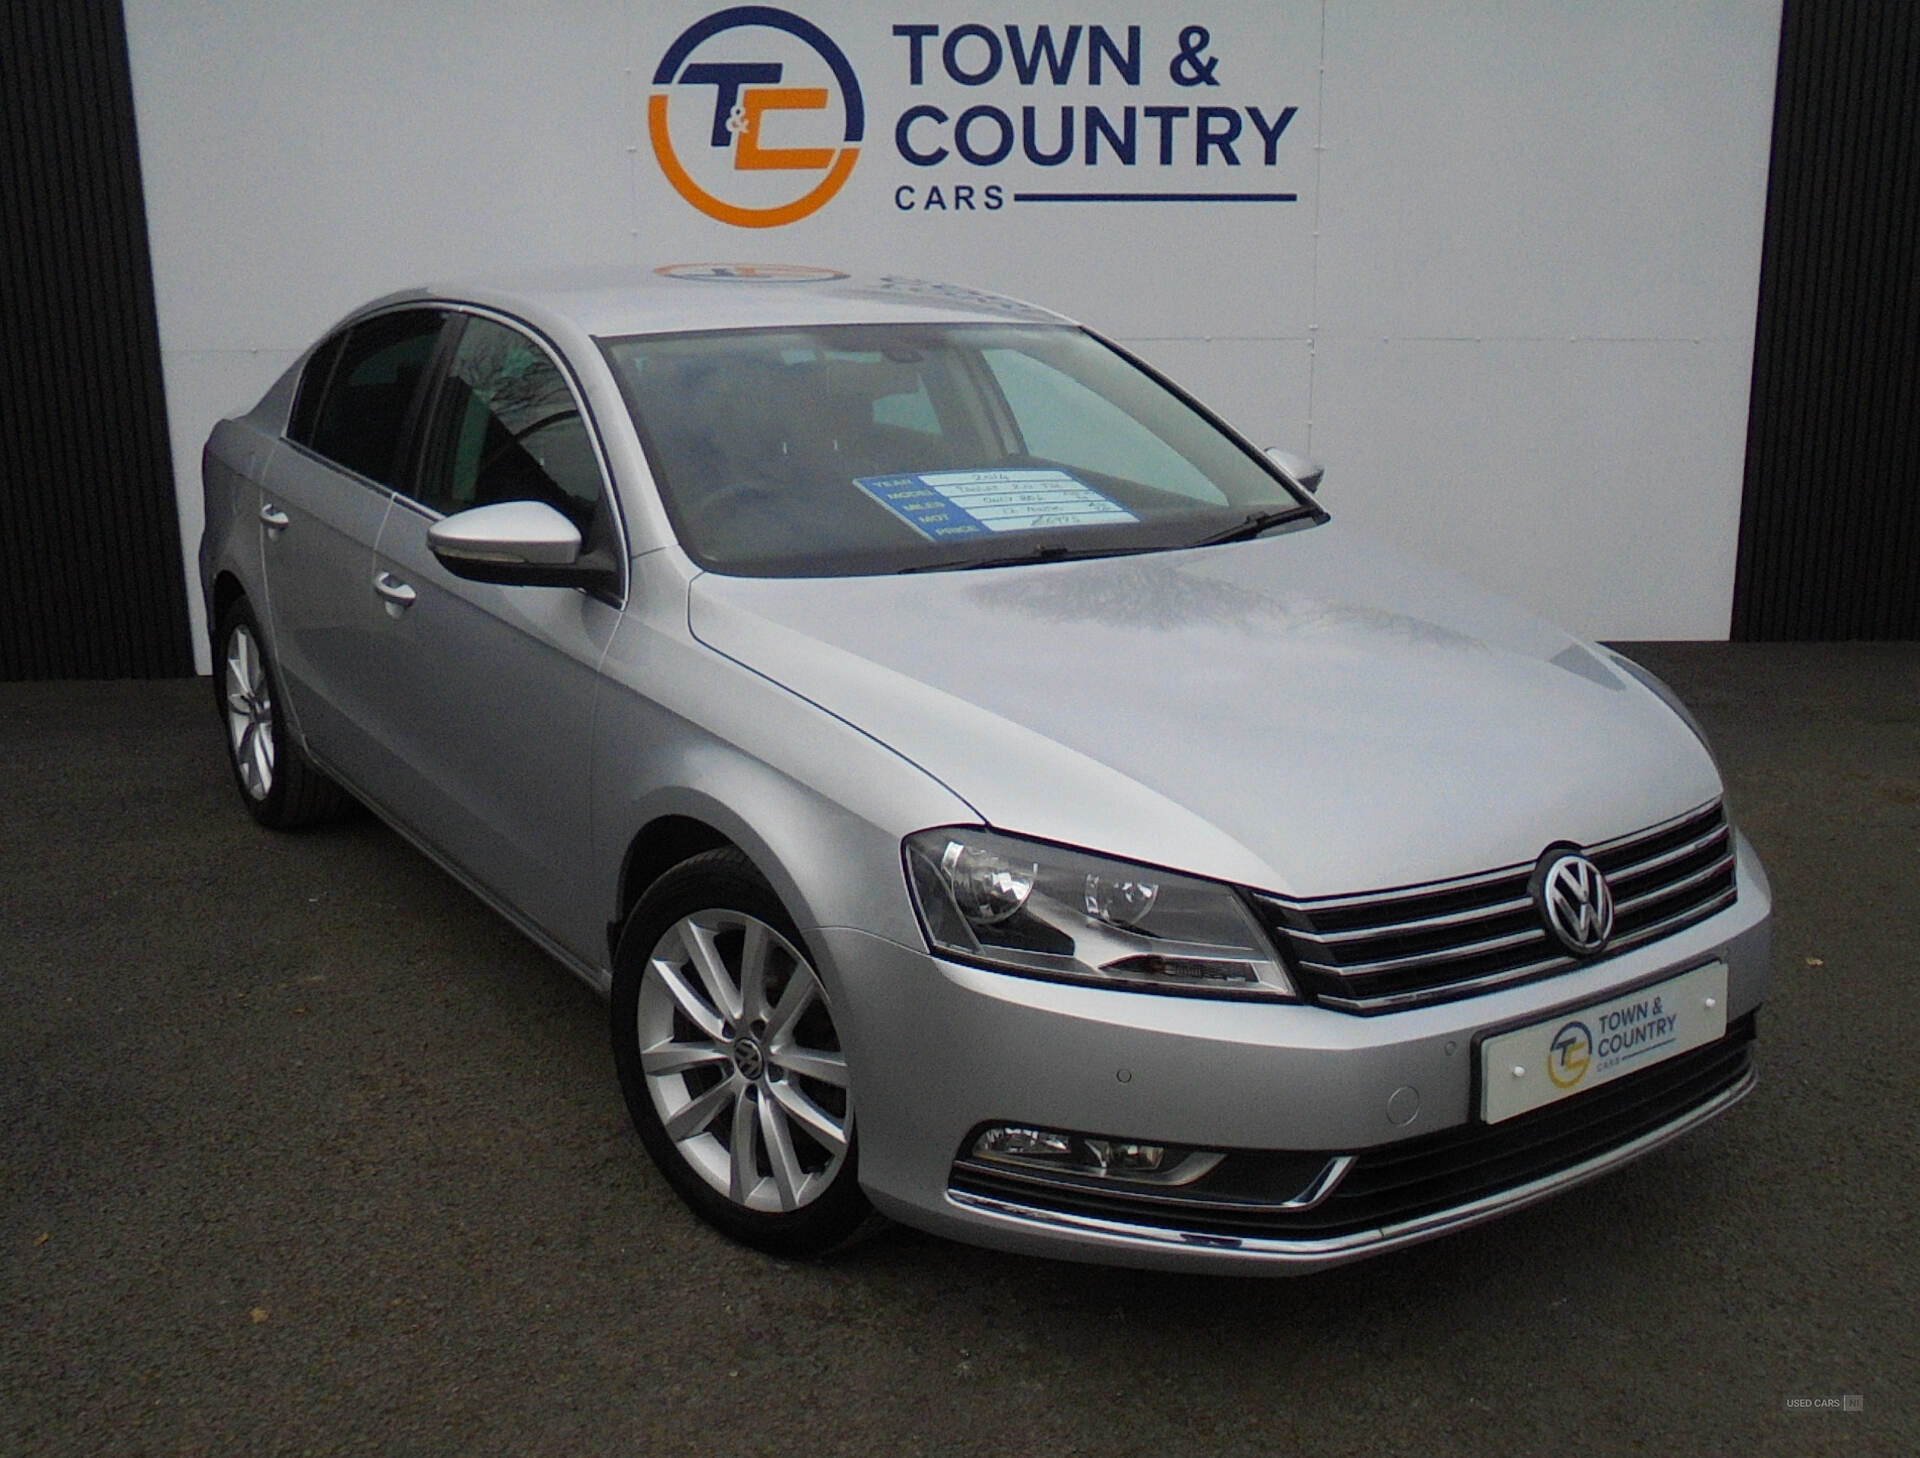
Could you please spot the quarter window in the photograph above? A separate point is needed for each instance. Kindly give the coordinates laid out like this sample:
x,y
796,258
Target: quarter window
x,y
313,388
362,414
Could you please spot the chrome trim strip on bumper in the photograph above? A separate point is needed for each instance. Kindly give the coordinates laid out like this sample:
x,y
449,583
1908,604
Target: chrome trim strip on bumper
x,y
1321,1190
1335,1249
1316,1192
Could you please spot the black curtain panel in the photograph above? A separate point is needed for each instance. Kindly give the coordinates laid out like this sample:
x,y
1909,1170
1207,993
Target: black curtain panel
x,y
1830,524
91,577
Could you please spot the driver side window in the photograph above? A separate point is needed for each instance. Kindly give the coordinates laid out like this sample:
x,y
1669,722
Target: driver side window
x,y
506,427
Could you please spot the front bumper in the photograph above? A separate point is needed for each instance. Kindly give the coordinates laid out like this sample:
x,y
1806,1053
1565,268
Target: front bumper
x,y
939,1049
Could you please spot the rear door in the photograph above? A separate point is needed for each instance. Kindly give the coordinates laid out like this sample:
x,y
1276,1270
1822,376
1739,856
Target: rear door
x,y
321,509
486,699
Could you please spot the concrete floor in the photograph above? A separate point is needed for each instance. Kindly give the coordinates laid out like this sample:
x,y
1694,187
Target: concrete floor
x,y
305,1151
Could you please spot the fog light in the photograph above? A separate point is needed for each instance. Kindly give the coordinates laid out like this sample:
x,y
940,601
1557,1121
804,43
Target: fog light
x,y
1074,1154
1022,1144
1126,1158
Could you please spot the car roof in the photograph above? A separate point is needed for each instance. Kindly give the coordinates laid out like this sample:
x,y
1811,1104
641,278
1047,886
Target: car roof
x,y
675,298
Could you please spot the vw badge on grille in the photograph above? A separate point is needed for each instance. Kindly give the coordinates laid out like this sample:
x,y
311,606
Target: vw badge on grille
x,y
1574,898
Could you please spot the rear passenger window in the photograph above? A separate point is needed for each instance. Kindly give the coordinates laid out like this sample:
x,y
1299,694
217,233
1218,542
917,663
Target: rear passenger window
x,y
362,412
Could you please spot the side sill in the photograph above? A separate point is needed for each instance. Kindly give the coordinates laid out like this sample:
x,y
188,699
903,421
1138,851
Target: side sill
x,y
600,979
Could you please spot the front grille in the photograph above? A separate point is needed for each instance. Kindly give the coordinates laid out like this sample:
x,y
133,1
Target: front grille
x,y
1395,1183
1394,949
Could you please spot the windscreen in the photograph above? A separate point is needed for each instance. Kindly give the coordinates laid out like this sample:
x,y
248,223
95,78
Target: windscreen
x,y
860,449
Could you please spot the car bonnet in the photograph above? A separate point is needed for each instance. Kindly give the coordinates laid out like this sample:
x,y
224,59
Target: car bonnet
x,y
1311,713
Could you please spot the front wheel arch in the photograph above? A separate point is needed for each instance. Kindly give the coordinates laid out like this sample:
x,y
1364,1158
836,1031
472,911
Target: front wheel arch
x,y
730,1062
660,845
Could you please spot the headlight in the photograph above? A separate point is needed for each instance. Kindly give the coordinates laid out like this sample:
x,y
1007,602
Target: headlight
x,y
1024,906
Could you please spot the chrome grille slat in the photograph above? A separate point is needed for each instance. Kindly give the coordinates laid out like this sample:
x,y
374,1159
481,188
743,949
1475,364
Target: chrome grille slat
x,y
1393,1001
1673,923
1412,945
1406,893
1661,893
1711,811
1419,924
1420,959
1692,847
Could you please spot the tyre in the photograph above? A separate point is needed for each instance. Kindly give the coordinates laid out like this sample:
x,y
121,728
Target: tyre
x,y
724,1040
281,787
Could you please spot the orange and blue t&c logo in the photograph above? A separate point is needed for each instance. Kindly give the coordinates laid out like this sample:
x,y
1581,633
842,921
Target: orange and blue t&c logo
x,y
739,157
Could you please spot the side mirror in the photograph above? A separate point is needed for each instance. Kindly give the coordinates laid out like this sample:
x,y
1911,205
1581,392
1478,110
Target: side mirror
x,y
1306,472
515,544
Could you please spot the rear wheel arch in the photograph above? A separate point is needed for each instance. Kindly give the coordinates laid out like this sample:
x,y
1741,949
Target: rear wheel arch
x,y
227,590
281,786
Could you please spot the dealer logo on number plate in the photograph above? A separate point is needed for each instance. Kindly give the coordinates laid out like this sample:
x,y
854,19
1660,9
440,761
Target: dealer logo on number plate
x,y
1571,1052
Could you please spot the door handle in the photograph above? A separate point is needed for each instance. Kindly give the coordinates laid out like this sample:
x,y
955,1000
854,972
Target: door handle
x,y
397,595
273,518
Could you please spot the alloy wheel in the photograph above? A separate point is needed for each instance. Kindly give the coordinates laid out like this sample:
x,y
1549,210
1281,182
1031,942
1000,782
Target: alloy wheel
x,y
742,1062
249,713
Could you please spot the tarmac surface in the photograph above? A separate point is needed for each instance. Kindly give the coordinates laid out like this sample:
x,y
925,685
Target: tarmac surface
x,y
305,1151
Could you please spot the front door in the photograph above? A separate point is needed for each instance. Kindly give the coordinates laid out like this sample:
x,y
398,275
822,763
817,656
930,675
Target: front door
x,y
488,693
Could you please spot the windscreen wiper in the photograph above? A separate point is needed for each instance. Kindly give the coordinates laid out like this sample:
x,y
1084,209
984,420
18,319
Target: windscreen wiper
x,y
1052,552
1258,522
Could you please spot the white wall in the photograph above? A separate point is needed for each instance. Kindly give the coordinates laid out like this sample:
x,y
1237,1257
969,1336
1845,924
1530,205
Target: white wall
x,y
1512,308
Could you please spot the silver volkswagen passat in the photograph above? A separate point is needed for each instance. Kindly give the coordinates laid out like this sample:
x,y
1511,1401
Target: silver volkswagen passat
x,y
991,792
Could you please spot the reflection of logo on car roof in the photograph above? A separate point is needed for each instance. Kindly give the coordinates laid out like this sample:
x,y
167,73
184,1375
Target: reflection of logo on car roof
x,y
749,272
732,156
